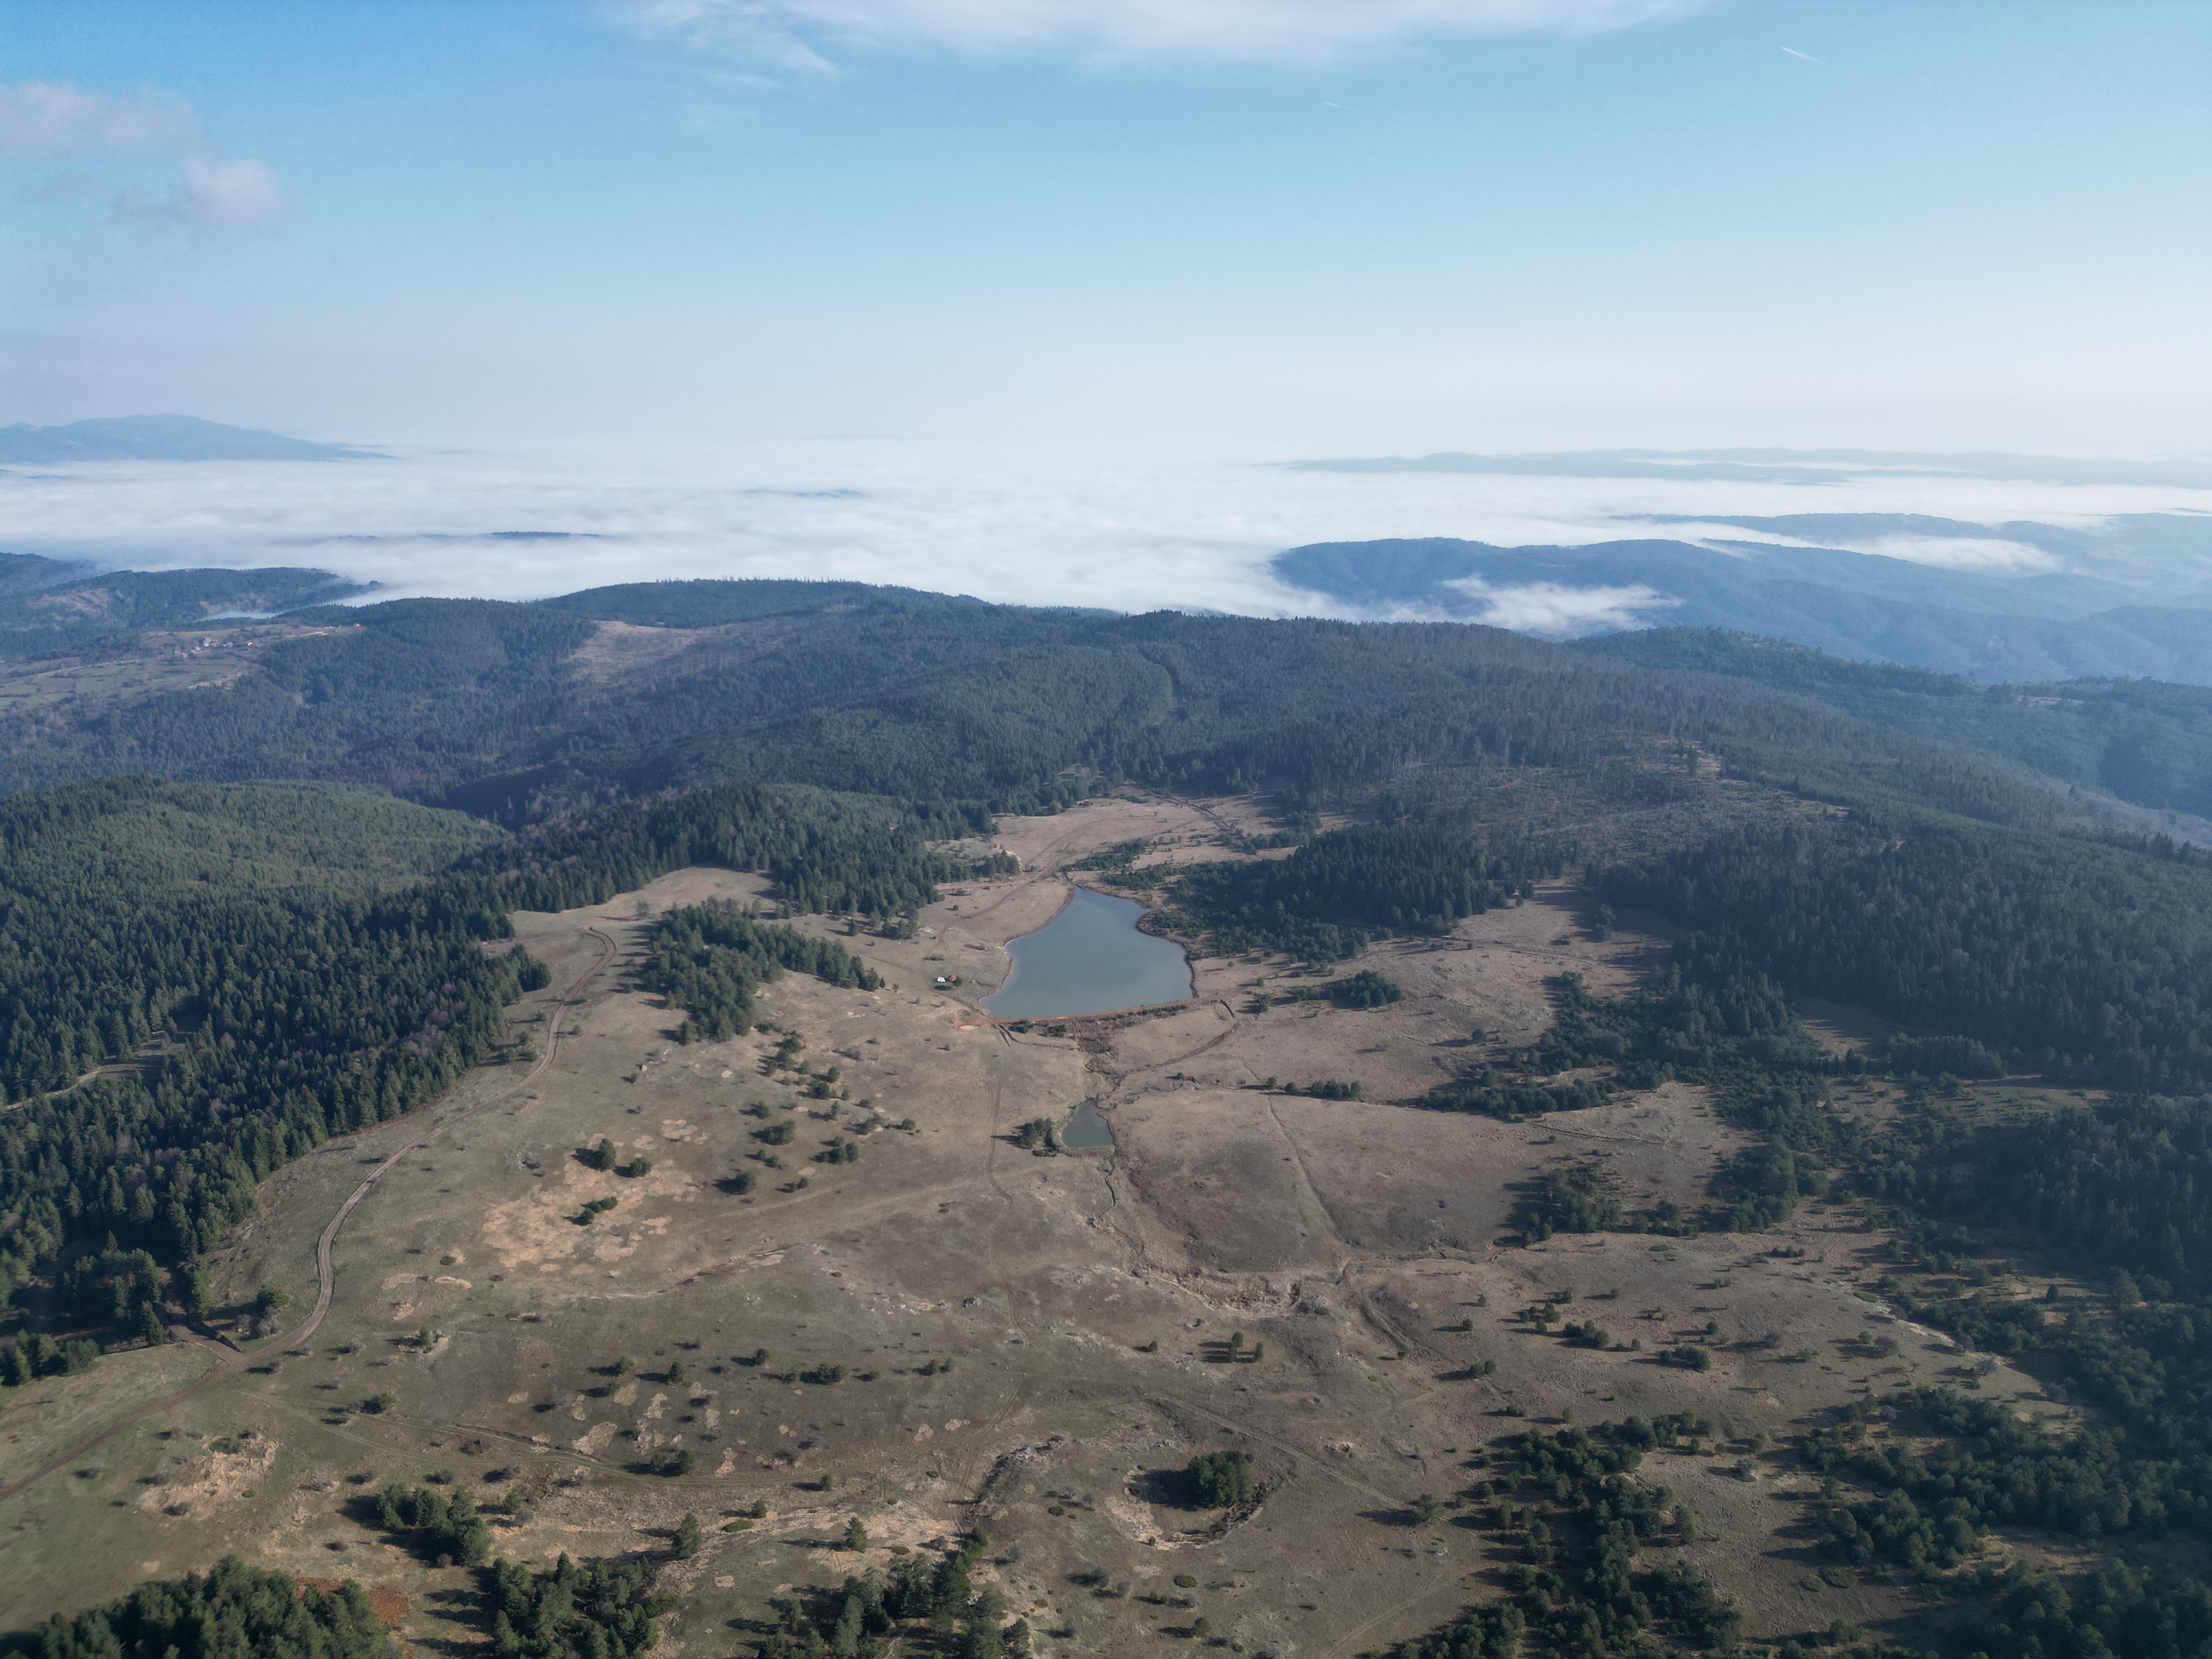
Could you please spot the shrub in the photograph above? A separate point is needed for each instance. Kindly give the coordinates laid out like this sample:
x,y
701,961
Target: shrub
x,y
1365,989
445,1529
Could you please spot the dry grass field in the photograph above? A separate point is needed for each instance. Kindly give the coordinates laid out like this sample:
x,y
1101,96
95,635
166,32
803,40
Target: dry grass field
x,y
1084,1301
35,692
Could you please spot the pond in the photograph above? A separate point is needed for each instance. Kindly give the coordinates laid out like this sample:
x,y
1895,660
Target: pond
x,y
1090,959
1086,1130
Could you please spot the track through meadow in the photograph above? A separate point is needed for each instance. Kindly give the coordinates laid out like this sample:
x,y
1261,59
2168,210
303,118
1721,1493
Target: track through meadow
x,y
230,1362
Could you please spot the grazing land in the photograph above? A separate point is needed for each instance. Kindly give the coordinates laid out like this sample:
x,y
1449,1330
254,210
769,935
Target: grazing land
x,y
1034,1344
1655,1156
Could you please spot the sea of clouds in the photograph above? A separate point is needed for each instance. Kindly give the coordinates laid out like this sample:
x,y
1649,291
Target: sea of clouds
x,y
1128,532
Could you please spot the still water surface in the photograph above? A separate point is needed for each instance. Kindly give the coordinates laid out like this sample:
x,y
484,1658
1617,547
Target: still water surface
x,y
1086,1129
1090,959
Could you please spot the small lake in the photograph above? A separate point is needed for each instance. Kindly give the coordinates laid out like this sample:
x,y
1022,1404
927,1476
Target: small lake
x,y
1086,1130
1090,959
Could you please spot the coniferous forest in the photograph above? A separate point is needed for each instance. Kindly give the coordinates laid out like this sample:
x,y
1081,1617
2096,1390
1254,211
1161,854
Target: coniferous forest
x,y
233,1609
239,920
277,965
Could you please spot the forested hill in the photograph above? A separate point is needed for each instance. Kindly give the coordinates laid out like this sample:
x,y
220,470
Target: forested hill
x,y
161,437
241,917
49,609
249,891
2143,741
515,711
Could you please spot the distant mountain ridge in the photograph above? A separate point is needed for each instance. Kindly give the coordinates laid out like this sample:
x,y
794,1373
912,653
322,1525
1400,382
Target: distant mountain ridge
x,y
509,709
1797,466
1860,606
161,437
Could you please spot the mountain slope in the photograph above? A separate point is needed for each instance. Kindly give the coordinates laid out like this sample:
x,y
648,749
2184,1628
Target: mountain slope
x,y
160,438
42,619
1796,466
517,710
1849,603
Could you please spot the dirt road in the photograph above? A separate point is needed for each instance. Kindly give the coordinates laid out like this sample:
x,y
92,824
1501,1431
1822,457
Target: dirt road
x,y
229,1362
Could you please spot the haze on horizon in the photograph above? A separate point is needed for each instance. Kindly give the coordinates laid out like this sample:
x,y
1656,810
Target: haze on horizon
x,y
1257,228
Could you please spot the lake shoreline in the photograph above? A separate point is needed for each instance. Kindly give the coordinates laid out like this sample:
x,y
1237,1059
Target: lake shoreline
x,y
1090,960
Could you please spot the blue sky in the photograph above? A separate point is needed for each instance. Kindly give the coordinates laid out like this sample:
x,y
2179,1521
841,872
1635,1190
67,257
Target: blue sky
x,y
1487,223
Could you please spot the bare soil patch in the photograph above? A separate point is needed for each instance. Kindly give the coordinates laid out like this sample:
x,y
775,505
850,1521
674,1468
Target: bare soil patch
x,y
620,650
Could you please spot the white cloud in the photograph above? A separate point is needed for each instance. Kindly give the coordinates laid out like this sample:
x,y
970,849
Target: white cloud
x,y
1042,525
787,34
41,121
1989,553
1552,610
217,193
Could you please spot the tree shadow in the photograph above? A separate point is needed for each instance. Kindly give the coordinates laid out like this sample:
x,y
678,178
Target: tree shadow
x,y
1169,1488
1221,1353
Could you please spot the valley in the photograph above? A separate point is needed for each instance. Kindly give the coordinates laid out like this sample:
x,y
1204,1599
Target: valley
x,y
954,1333
1086,829
1690,1146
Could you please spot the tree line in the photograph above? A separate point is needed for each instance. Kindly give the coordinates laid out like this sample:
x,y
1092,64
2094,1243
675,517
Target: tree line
x,y
231,1611
244,1020
1338,893
284,1015
2086,961
2112,1189
1579,1533
825,852
709,958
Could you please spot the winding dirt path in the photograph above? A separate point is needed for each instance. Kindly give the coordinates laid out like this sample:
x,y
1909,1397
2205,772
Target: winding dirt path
x,y
229,1361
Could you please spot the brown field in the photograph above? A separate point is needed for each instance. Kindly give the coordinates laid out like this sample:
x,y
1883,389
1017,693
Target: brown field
x,y
217,654
1083,1301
